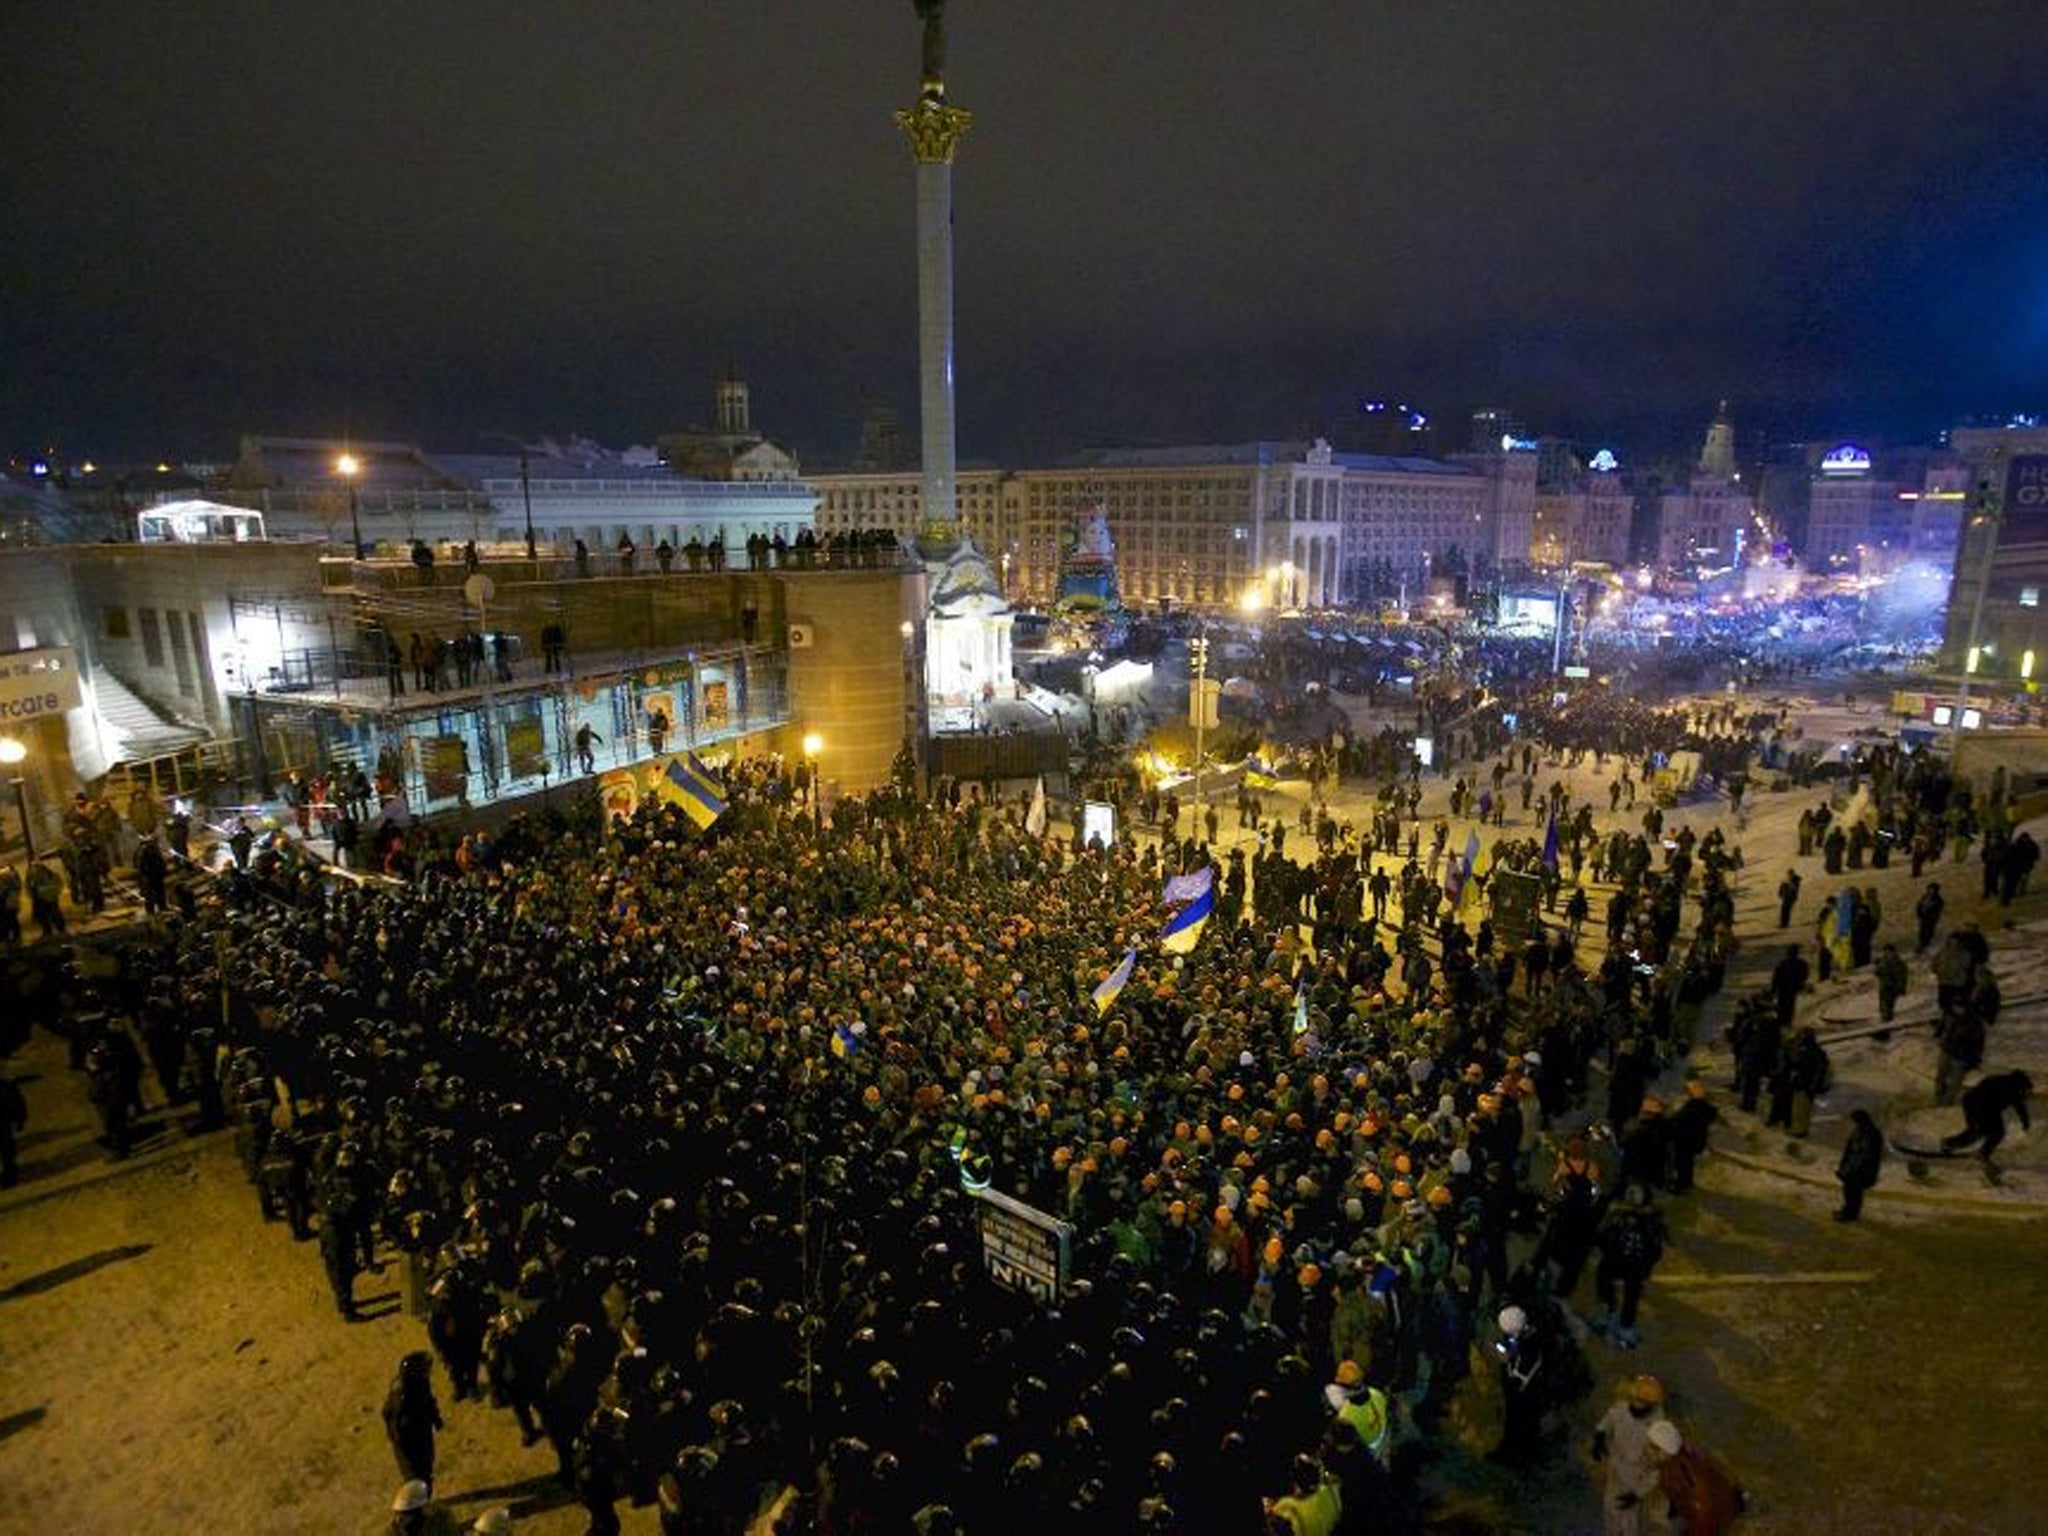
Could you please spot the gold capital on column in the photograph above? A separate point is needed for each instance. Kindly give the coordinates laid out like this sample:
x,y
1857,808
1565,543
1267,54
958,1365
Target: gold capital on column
x,y
934,129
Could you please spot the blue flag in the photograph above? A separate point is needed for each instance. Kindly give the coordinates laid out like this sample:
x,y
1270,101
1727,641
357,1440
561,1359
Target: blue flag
x,y
1550,845
1106,994
1180,888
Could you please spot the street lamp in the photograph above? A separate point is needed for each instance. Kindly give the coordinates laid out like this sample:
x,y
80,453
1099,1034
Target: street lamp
x,y
1199,706
813,745
526,496
12,754
348,466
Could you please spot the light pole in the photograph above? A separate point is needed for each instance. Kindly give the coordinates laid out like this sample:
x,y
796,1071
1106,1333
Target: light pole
x,y
1989,508
12,754
1198,705
526,496
1564,619
813,745
348,466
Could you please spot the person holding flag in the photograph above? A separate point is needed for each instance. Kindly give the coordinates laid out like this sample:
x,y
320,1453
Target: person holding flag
x,y
1105,995
1184,928
686,782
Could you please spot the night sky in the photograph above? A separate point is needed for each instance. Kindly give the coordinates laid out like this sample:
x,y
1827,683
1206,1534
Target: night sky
x,y
1175,221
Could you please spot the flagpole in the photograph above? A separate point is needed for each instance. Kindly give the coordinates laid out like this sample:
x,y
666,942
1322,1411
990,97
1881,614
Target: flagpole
x,y
1200,646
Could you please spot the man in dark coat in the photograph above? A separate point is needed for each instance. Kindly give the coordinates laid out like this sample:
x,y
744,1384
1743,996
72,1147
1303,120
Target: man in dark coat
x,y
411,1415
1860,1160
338,1255
1984,1107
1689,1126
1788,980
1631,1243
13,1118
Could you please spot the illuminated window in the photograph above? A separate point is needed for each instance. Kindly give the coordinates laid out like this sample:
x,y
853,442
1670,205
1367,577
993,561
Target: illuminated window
x,y
2030,597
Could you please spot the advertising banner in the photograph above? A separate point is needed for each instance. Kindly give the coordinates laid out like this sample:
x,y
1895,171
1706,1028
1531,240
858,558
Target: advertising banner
x,y
2026,500
445,762
35,684
526,747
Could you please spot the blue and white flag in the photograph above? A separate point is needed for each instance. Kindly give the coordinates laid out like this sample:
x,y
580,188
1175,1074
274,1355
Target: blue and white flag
x,y
1185,927
1106,994
1180,888
1550,845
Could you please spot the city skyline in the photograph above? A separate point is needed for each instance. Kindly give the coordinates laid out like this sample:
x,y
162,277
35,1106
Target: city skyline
x,y
438,227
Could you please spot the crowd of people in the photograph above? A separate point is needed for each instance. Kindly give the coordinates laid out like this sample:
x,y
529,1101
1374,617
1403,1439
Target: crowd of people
x,y
677,1138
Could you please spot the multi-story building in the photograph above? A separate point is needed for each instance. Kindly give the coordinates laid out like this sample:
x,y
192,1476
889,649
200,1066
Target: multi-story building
x,y
1936,515
1850,507
1586,519
341,492
1216,525
190,663
1508,520
1707,522
1871,512
2002,551
894,499
604,501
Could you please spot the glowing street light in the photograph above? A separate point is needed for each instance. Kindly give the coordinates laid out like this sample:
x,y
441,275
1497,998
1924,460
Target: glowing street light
x,y
348,466
813,745
13,753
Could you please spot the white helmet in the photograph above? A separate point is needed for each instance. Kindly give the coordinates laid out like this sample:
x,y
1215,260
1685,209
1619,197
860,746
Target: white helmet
x,y
1512,1321
1664,1435
411,1496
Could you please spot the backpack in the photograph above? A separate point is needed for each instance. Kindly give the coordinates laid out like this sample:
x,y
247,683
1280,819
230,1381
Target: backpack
x,y
1704,1494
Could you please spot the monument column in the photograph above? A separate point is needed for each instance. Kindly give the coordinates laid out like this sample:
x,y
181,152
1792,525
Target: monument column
x,y
934,129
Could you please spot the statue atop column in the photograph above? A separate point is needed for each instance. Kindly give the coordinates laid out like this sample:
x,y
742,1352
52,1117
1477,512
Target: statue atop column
x,y
933,14
934,128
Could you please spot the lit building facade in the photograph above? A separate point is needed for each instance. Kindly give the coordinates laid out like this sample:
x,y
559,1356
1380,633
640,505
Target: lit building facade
x,y
1708,522
1585,520
1284,524
2002,552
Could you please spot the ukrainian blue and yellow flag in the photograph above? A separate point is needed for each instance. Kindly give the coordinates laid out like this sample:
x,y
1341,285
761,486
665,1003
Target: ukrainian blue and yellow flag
x,y
1550,845
685,782
1185,927
1106,994
1468,888
845,1043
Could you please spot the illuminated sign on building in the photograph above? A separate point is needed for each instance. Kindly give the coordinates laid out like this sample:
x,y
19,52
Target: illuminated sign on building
x,y
1848,459
1604,462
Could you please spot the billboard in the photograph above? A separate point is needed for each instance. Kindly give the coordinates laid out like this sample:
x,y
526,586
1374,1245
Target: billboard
x,y
40,682
2026,500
